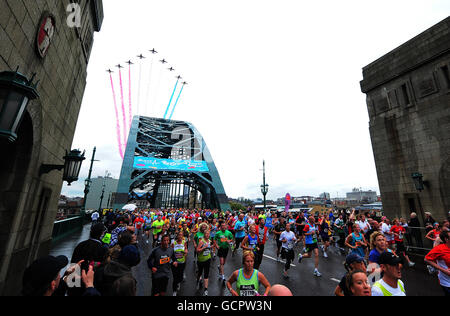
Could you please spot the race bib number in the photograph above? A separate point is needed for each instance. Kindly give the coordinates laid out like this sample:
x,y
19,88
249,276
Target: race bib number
x,y
247,290
206,252
164,260
223,239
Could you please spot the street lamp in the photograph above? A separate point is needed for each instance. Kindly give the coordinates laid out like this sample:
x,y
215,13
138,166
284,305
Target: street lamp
x,y
15,92
264,186
418,181
72,166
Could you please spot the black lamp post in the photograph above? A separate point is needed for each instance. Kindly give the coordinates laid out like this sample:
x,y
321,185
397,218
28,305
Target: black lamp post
x,y
418,181
264,186
15,92
72,166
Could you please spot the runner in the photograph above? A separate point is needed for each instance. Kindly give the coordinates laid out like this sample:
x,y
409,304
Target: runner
x,y
262,232
180,250
390,284
138,223
386,230
204,260
239,229
310,232
147,225
439,258
223,241
356,241
399,231
324,227
300,222
358,283
280,227
247,279
288,241
250,242
197,236
159,261
157,226
214,227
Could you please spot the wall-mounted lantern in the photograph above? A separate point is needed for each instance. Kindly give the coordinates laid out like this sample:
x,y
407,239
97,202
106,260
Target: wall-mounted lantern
x,y
15,92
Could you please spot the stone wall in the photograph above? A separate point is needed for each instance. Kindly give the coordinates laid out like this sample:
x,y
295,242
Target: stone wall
x,y
408,100
28,200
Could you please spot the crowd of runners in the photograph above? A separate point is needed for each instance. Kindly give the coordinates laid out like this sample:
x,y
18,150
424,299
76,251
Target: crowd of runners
x,y
374,250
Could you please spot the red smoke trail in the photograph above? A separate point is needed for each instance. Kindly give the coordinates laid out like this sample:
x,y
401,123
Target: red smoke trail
x,y
130,110
123,109
117,118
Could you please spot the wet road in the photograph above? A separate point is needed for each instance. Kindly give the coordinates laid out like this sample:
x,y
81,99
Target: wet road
x,y
301,280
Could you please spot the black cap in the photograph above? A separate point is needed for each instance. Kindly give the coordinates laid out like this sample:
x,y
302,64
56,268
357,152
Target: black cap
x,y
98,228
38,276
389,258
353,257
130,255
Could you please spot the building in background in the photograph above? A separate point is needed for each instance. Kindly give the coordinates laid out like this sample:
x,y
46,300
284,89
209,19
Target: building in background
x,y
95,192
408,100
36,37
362,196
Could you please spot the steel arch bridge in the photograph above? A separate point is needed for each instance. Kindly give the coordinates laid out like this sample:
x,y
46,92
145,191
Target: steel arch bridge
x,y
168,165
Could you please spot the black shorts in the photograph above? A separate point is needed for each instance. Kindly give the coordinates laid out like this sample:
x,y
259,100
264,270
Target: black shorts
x,y
287,254
238,242
159,285
279,243
400,246
204,267
325,238
222,252
311,247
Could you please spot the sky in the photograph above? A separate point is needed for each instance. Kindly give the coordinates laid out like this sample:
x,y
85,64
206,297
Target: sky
x,y
273,80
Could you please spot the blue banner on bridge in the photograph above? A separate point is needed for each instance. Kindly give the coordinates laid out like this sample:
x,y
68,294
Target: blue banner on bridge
x,y
170,164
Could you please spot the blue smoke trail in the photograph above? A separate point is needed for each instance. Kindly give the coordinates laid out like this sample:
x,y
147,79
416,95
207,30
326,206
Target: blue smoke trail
x,y
168,106
176,102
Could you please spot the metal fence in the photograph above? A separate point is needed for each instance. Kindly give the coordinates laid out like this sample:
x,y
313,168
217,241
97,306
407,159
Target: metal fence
x,y
66,227
415,240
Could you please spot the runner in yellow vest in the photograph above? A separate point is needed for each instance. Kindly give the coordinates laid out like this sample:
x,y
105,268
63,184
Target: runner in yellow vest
x,y
390,284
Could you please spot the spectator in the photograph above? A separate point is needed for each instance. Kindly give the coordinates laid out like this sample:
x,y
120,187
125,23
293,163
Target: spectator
x,y
414,226
92,252
42,277
124,286
116,269
428,222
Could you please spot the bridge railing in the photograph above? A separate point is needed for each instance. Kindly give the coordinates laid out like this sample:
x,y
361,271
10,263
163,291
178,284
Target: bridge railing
x,y
65,227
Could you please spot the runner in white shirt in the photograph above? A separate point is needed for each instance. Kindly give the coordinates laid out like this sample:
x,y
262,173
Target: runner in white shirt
x,y
288,240
385,229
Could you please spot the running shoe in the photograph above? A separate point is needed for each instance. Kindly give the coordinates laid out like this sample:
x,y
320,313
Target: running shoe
x,y
317,273
278,259
205,293
300,257
174,293
411,264
325,255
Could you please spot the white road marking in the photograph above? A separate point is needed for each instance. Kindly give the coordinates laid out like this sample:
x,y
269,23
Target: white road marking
x,y
335,280
275,259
